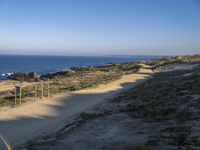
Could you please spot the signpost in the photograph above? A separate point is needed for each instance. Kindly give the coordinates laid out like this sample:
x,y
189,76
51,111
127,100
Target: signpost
x,y
18,92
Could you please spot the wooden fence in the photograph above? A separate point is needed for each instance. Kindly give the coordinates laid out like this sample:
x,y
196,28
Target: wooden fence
x,y
36,91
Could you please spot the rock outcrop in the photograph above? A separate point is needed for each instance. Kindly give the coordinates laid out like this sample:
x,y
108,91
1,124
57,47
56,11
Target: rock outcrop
x,y
29,77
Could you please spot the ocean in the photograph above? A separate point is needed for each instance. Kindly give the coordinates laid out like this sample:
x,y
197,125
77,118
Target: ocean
x,y
48,64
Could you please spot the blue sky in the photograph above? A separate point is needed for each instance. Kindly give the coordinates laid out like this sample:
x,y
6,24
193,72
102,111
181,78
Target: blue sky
x,y
100,27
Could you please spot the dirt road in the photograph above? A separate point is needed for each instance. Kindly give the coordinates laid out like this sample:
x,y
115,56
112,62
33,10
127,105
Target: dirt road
x,y
32,120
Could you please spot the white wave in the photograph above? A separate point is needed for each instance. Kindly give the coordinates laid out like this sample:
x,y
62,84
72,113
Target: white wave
x,y
6,74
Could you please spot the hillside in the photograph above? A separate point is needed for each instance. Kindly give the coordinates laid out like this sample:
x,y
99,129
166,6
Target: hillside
x,y
161,113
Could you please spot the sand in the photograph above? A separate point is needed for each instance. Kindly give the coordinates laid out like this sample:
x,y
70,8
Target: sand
x,y
10,85
32,120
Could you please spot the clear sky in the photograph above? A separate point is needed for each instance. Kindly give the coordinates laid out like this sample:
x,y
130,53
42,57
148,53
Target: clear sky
x,y
100,27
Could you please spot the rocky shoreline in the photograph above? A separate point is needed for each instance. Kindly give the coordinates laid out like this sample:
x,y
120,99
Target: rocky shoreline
x,y
34,77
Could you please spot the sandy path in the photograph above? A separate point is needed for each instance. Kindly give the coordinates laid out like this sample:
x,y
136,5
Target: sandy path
x,y
21,124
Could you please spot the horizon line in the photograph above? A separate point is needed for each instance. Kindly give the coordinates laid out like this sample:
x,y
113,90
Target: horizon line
x,y
64,55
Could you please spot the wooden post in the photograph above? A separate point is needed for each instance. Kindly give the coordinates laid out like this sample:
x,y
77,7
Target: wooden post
x,y
20,95
42,88
48,87
35,92
15,90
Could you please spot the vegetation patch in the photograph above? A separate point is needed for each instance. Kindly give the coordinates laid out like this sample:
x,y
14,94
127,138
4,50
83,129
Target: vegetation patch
x,y
170,99
70,80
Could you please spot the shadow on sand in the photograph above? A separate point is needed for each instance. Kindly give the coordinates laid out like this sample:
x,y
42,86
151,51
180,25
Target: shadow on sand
x,y
25,128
